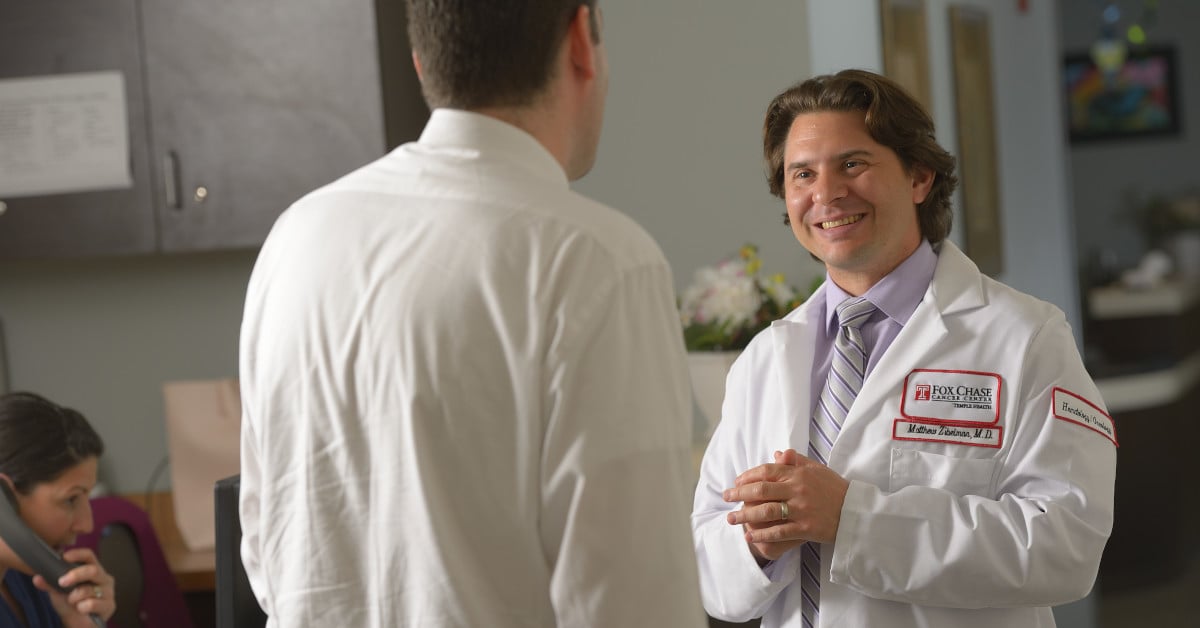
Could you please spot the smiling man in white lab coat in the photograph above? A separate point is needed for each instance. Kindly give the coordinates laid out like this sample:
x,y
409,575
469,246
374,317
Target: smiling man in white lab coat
x,y
933,456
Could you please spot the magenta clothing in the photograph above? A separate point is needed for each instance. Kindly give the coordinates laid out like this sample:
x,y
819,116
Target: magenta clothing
x,y
161,602
897,296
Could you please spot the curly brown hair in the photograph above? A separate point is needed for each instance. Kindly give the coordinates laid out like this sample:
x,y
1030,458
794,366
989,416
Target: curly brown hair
x,y
894,119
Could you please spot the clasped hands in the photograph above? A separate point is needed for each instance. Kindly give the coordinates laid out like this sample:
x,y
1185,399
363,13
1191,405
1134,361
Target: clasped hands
x,y
787,503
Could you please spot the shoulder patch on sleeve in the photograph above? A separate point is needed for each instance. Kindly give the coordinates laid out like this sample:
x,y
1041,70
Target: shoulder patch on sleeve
x,y
1072,408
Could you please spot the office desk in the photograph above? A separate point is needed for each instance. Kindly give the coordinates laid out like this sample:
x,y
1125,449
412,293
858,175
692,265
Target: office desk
x,y
194,571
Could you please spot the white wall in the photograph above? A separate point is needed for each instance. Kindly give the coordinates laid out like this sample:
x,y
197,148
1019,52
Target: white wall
x,y
681,150
102,335
845,34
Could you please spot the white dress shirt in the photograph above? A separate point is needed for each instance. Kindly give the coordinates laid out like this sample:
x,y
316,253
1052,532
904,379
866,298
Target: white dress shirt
x,y
465,400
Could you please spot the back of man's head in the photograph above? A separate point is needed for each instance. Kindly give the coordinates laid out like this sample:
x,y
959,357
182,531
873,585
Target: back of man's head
x,y
478,54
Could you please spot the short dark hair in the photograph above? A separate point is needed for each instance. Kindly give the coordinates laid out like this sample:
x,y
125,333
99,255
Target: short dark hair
x,y
40,440
489,53
894,119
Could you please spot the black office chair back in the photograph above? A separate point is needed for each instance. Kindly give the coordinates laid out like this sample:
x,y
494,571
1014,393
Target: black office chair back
x,y
125,541
122,560
236,605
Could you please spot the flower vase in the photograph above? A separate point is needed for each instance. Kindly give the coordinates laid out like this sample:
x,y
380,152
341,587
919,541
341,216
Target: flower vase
x,y
708,370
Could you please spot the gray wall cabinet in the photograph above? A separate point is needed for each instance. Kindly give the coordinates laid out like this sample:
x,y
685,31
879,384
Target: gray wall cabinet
x,y
236,109
53,37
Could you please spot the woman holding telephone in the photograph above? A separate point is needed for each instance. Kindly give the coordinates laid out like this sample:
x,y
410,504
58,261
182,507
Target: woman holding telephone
x,y
48,460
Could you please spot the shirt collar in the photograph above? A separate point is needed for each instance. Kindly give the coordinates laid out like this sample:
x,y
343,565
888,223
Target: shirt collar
x,y
491,138
897,295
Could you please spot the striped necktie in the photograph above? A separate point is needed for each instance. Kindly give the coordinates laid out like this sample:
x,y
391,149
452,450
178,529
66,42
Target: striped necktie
x,y
847,370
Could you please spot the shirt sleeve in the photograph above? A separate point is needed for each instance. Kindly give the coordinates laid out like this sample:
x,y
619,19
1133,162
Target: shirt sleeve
x,y
250,462
616,472
1036,540
249,516
734,587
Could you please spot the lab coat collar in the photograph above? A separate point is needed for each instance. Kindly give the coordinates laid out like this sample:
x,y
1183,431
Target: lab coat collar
x,y
957,283
957,286
793,349
491,139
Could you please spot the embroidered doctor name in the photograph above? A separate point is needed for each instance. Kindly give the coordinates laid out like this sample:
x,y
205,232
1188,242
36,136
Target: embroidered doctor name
x,y
951,396
940,433
1075,409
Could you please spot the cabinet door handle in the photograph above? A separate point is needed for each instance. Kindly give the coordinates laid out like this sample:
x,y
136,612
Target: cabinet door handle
x,y
170,166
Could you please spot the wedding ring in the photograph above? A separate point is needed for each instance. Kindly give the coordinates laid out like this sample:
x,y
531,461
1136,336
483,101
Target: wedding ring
x,y
783,511
97,592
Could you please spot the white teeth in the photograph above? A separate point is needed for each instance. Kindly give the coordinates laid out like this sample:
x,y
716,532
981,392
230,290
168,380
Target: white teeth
x,y
844,221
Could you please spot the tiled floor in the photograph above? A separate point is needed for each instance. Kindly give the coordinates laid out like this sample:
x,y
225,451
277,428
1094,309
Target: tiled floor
x,y
1172,604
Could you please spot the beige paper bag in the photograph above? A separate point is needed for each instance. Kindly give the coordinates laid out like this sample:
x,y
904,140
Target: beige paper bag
x,y
204,421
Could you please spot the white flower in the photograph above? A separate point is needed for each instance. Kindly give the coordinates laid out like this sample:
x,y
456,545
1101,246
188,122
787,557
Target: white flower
x,y
778,289
724,293
727,304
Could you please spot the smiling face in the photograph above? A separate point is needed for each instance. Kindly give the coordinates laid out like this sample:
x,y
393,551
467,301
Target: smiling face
x,y
849,199
59,510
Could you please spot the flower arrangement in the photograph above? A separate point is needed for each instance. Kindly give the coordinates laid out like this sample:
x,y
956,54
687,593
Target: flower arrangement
x,y
727,304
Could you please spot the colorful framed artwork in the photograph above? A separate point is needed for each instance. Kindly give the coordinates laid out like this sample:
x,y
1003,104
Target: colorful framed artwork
x,y
1139,98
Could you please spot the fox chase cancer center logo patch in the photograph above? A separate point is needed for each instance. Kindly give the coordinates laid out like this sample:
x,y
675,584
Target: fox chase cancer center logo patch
x,y
952,396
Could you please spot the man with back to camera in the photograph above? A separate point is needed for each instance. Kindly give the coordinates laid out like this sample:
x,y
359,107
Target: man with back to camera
x,y
917,444
457,374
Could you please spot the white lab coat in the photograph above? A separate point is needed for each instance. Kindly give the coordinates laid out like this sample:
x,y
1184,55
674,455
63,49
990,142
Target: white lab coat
x,y
932,533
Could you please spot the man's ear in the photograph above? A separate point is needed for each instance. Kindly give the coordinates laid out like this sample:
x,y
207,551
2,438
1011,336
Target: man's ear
x,y
922,182
417,65
581,49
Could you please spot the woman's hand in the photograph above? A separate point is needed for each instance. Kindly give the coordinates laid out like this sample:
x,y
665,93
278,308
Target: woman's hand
x,y
94,593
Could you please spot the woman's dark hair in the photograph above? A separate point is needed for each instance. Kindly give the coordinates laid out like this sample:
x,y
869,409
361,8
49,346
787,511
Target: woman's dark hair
x,y
40,440
489,53
894,119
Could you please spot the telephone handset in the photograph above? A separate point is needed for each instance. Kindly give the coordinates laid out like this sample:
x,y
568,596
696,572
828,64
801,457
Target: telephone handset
x,y
30,547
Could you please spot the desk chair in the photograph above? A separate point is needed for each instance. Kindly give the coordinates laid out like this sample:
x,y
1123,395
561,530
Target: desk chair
x,y
236,604
125,541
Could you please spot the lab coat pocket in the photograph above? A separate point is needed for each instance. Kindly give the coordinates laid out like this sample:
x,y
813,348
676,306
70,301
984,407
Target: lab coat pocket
x,y
961,476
